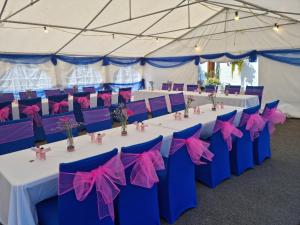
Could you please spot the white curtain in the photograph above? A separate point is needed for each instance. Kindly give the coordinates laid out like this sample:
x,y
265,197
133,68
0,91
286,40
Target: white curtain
x,y
124,74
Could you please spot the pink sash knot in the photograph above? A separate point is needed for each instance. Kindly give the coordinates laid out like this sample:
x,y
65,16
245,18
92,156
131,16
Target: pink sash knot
x,y
126,95
32,111
106,97
57,106
84,102
4,114
273,117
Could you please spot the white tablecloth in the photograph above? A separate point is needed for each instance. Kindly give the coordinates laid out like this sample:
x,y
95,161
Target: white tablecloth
x,y
24,183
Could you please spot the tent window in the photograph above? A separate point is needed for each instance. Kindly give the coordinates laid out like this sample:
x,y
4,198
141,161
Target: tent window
x,y
127,75
83,75
21,77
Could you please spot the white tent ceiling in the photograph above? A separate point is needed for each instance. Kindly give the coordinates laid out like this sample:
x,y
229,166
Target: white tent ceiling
x,y
147,27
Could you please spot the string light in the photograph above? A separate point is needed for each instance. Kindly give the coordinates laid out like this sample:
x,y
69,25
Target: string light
x,y
276,27
197,49
113,36
156,39
45,30
236,17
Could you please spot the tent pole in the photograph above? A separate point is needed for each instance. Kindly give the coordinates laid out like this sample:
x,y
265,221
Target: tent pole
x,y
3,8
20,10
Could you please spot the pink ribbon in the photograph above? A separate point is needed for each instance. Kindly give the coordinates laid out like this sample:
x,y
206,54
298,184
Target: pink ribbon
x,y
32,111
105,178
273,117
196,148
227,129
126,95
106,97
56,107
254,124
83,101
143,173
4,114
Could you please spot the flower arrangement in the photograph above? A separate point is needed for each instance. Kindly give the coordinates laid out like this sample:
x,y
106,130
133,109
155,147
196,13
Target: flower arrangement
x,y
213,81
67,124
212,98
121,113
151,85
189,101
239,64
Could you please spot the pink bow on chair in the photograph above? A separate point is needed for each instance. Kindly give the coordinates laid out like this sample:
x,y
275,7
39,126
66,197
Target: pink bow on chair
x,y
4,114
84,102
106,97
143,173
196,148
227,129
126,95
32,111
254,124
273,117
56,107
105,178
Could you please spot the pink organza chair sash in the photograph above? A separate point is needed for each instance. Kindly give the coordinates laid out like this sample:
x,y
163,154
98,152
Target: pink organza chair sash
x,y
32,111
106,97
145,164
4,113
105,178
126,95
227,129
273,117
254,124
196,148
57,106
83,101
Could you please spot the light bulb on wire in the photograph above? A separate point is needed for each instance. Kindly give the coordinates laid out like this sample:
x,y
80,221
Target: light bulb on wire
x,y
236,17
46,30
156,39
276,27
197,48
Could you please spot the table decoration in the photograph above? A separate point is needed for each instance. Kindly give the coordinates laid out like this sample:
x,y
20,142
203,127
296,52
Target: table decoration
x,y
151,85
121,113
177,115
189,101
67,124
212,98
40,152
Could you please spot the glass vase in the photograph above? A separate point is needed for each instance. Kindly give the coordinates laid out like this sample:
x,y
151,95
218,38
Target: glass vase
x,y
70,143
186,113
124,131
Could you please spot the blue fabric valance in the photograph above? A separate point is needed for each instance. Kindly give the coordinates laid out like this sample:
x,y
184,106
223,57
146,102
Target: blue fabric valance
x,y
120,61
79,60
252,55
25,59
291,57
170,62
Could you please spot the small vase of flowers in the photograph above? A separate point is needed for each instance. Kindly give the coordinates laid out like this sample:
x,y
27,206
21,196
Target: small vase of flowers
x,y
189,101
67,124
212,98
151,85
121,114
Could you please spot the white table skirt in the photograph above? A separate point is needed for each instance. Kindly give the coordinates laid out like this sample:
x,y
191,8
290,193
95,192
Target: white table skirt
x,y
24,183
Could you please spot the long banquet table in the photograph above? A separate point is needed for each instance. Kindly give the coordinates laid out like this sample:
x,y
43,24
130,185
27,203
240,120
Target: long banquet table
x,y
24,183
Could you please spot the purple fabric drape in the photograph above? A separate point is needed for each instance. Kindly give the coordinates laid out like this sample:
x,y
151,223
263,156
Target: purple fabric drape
x,y
16,131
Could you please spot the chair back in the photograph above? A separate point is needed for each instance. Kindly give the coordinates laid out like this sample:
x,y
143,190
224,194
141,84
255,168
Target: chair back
x,y
58,104
7,97
18,136
97,119
72,211
81,101
158,106
23,103
138,111
271,105
232,89
70,91
192,87
90,89
178,87
27,94
166,86
104,98
124,95
255,90
52,92
177,102
211,88
54,128
5,111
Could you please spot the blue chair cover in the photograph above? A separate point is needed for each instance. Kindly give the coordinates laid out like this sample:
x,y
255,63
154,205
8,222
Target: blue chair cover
x,y
51,127
139,110
211,88
232,89
38,130
97,119
55,99
66,209
7,104
27,94
218,170
19,135
138,205
52,92
90,89
7,97
77,107
166,86
177,188
178,87
255,90
158,106
241,155
262,147
191,87
121,99
100,101
177,102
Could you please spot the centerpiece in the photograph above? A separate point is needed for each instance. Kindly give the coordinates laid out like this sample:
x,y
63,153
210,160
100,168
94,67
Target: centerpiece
x,y
189,101
151,85
67,124
212,98
121,113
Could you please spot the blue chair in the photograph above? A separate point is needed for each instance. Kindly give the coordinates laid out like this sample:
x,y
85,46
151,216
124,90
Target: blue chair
x,y
177,102
139,110
97,119
218,170
78,107
122,93
27,94
232,89
101,100
211,88
52,100
52,92
178,87
138,205
51,127
18,136
262,147
241,155
255,90
166,86
7,97
192,87
158,106
66,209
177,188
4,106
90,89
37,128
